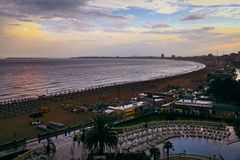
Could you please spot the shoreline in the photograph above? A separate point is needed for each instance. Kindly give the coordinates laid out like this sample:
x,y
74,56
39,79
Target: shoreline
x,y
199,66
20,123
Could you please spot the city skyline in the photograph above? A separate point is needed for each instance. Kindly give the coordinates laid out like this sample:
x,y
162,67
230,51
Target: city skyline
x,y
73,28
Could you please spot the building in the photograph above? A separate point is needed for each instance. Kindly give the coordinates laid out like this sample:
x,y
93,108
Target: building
x,y
157,98
226,111
193,107
125,110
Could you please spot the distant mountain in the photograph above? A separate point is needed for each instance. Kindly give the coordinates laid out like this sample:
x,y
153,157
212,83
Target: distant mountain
x,y
105,57
25,58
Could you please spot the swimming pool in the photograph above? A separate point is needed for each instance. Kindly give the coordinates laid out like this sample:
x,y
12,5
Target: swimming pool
x,y
200,146
231,151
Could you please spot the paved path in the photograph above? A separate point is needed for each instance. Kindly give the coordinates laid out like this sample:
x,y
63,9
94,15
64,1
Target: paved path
x,y
70,150
66,148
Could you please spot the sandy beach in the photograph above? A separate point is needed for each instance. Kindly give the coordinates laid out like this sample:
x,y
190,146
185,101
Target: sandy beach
x,y
20,123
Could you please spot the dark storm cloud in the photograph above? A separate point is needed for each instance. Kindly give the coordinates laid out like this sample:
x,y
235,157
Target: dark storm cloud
x,y
47,5
47,9
11,14
193,17
59,15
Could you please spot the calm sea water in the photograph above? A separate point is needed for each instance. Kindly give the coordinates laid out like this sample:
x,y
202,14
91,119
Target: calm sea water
x,y
25,78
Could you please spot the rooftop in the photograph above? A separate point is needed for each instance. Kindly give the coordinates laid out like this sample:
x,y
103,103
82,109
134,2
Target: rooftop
x,y
126,106
194,103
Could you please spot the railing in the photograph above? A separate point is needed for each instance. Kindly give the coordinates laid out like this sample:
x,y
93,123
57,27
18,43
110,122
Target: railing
x,y
13,144
29,153
207,123
63,130
192,156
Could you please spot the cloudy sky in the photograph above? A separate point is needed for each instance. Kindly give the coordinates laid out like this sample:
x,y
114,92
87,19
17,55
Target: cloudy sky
x,y
68,28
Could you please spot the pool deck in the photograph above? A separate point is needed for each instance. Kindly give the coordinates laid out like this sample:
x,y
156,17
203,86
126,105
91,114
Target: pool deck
x,y
189,155
139,138
66,148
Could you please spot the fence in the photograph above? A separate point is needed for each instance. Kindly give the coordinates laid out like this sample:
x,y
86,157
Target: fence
x,y
29,153
190,156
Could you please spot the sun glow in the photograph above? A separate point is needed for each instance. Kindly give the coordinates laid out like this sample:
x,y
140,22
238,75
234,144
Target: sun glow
x,y
30,30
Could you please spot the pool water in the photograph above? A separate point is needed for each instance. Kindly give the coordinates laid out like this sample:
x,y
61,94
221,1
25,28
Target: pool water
x,y
197,145
231,151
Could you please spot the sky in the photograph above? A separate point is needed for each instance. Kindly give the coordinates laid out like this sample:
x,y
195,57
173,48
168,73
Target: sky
x,y
72,28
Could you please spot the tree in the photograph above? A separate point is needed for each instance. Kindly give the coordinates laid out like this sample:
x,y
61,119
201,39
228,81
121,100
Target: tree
x,y
225,88
143,156
50,146
101,136
83,136
167,145
155,153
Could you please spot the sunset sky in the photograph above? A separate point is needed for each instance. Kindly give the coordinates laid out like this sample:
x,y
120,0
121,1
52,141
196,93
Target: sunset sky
x,y
70,28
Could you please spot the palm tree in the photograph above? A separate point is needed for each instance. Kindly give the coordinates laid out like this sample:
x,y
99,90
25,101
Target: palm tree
x,y
143,156
101,136
83,136
167,145
155,153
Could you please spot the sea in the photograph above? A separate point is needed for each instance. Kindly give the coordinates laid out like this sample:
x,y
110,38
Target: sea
x,y
24,78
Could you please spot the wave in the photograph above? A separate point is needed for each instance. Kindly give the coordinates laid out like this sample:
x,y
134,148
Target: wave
x,y
61,76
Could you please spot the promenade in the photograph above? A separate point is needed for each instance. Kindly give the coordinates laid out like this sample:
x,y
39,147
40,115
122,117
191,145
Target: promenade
x,y
66,148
